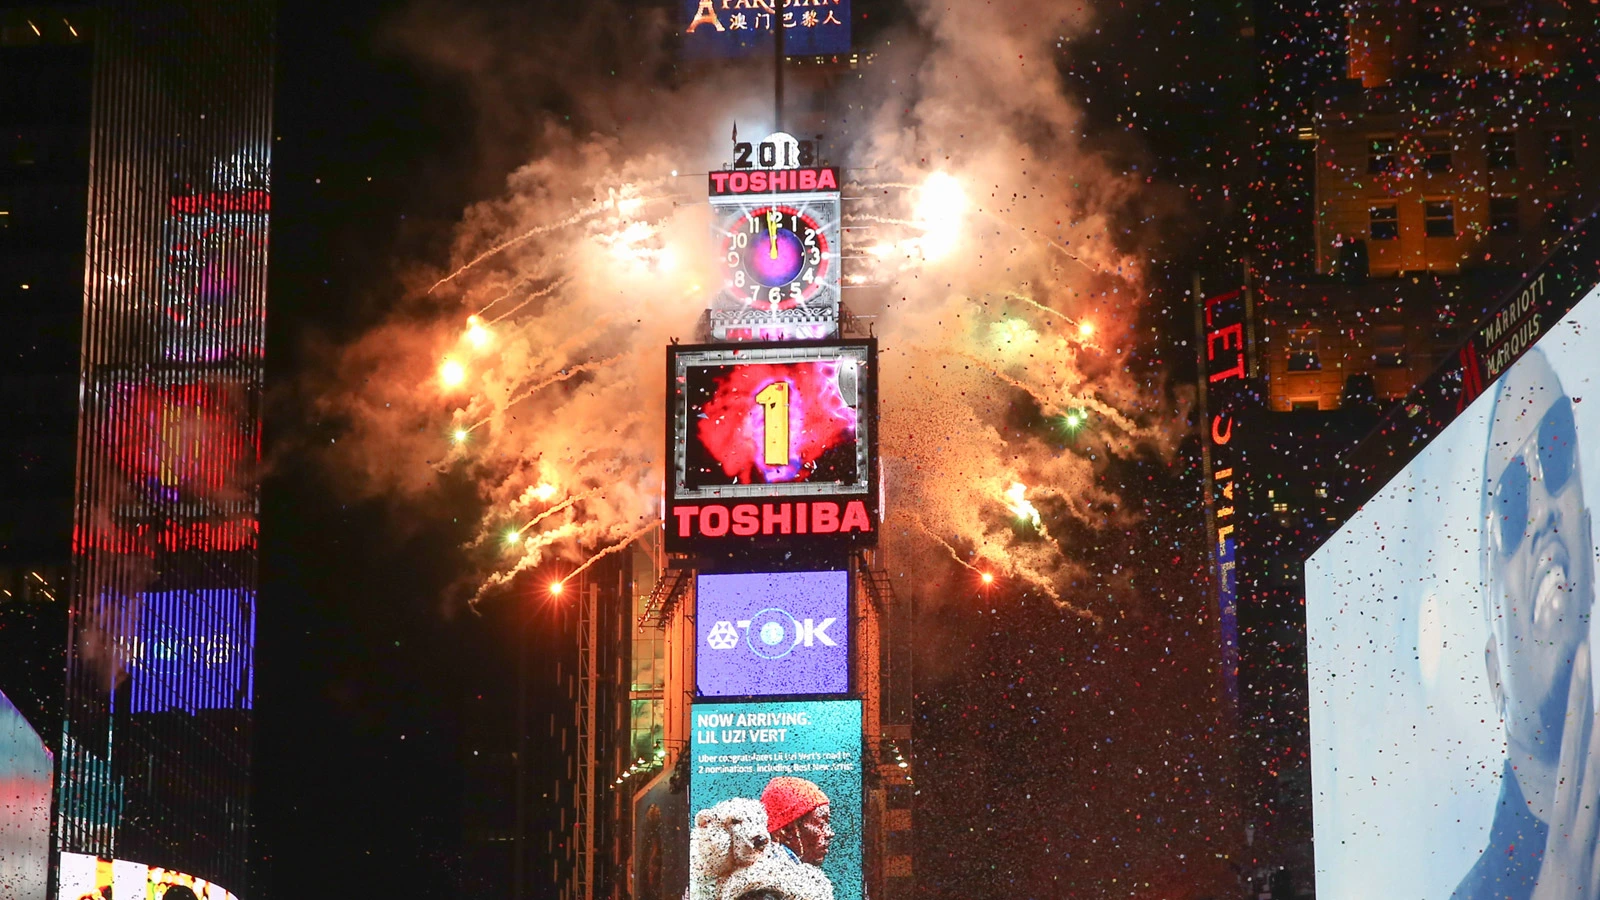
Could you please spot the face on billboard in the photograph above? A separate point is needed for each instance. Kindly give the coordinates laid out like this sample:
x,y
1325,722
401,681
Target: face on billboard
x,y
773,633
769,441
775,799
1449,638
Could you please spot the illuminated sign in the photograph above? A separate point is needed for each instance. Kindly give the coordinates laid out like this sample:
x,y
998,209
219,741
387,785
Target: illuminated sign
x,y
1450,638
213,276
732,28
776,234
25,772
772,444
190,650
83,877
794,768
772,633
1225,396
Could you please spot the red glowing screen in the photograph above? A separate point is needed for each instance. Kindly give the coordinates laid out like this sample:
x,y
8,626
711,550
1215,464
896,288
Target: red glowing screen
x,y
764,420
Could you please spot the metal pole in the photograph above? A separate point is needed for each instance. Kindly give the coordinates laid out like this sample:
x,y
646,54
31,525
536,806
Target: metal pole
x,y
777,65
519,878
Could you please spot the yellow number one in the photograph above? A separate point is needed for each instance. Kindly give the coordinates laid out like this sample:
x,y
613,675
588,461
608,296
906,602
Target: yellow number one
x,y
774,399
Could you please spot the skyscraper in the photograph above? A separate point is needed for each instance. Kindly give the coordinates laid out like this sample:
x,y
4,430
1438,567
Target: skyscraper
x,y
155,756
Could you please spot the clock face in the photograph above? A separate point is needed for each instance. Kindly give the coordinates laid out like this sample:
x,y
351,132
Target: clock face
x,y
777,257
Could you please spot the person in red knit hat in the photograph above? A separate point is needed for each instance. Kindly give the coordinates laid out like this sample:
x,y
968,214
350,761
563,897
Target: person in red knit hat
x,y
798,817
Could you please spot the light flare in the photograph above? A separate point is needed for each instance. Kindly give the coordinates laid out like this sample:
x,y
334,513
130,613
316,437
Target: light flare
x,y
477,334
940,210
1020,506
452,374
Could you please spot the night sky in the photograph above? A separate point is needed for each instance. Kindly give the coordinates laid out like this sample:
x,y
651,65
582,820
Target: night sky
x,y
1055,757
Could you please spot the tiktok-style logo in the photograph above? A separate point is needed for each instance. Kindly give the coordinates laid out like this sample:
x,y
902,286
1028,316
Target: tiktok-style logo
x,y
772,633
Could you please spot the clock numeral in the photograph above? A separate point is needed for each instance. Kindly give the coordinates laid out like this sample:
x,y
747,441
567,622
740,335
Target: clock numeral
x,y
738,278
775,296
741,240
816,256
774,400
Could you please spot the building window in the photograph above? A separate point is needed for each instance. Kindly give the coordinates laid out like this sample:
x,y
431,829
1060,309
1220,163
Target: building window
x,y
1383,221
1558,213
1305,405
1280,506
1303,347
1558,147
1436,151
1503,217
1502,149
1439,218
1389,346
1380,154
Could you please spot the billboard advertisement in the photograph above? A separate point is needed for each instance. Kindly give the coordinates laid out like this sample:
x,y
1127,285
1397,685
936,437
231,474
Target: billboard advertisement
x,y
1225,395
190,650
771,633
85,877
26,770
734,28
775,799
1455,750
771,445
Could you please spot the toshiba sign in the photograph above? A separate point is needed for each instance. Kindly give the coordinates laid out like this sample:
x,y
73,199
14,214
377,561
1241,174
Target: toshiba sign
x,y
772,444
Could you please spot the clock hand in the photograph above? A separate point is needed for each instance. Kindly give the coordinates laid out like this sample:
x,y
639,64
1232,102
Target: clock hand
x,y
772,229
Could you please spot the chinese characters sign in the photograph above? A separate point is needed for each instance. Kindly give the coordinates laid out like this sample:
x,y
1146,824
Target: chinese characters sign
x,y
727,28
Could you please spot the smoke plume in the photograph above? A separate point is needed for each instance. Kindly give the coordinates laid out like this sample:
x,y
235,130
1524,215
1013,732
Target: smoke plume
x,y
981,246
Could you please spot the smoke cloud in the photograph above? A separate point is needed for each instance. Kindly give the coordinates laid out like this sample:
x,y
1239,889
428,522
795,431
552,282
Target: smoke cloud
x,y
982,246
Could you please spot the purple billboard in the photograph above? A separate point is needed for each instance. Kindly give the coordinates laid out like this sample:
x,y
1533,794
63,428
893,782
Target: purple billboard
x,y
773,633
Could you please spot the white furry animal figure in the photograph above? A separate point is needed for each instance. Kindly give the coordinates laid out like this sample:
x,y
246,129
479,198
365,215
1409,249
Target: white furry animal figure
x,y
729,836
775,875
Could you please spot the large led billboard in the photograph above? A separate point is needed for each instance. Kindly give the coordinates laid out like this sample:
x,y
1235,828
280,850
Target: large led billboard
x,y
1455,750
771,445
25,773
775,799
85,877
768,633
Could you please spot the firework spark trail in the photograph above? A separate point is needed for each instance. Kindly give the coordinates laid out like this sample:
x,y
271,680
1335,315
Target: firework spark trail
x,y
533,553
565,504
917,520
525,279
563,375
542,292
622,544
587,212
612,202
1052,407
881,220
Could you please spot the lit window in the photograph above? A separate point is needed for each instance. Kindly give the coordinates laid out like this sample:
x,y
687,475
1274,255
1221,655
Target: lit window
x,y
1280,507
1502,149
1303,347
1380,154
1439,218
1436,150
1383,221
5,219
1558,147
1503,216
1322,492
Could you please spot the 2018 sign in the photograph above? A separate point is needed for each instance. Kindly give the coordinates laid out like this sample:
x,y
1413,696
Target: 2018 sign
x,y
771,444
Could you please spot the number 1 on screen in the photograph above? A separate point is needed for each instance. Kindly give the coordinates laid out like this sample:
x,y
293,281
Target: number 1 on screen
x,y
774,400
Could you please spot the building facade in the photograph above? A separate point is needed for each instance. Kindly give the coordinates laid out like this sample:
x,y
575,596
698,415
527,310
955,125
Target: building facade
x,y
155,750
